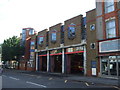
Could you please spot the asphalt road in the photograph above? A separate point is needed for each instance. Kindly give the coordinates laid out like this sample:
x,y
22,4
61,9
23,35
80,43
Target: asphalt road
x,y
14,79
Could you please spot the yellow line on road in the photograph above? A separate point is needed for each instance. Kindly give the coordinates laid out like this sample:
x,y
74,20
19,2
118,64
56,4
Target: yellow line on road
x,y
50,78
65,81
87,84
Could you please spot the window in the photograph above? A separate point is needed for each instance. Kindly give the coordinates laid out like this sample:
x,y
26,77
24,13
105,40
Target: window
x,y
31,32
71,31
53,36
109,6
41,40
110,29
92,27
92,45
32,43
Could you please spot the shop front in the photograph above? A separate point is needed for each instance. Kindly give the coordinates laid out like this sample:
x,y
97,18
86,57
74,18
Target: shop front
x,y
109,52
110,66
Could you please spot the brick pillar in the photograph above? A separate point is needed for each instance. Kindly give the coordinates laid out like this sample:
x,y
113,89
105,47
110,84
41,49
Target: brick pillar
x,y
40,63
52,63
68,63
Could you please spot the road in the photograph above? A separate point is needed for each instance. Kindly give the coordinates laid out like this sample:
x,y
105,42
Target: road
x,y
15,79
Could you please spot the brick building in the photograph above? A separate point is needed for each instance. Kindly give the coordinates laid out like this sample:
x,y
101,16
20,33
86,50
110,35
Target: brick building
x,y
108,36
83,45
60,45
26,35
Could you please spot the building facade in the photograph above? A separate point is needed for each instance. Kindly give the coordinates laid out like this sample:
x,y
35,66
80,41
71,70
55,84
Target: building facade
x,y
26,35
63,47
108,35
83,45
92,49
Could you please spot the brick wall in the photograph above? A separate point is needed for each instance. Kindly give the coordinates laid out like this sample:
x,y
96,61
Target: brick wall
x,y
44,34
91,38
77,21
56,28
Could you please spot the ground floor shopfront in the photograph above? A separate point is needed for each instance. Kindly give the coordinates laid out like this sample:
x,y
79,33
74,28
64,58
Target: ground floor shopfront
x,y
110,66
63,60
109,58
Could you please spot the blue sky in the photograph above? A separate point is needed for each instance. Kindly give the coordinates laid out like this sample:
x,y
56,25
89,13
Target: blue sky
x,y
38,14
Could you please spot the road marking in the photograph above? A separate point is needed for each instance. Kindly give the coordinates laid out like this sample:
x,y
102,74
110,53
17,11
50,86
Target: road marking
x,y
65,81
14,78
50,78
116,87
30,75
36,84
87,84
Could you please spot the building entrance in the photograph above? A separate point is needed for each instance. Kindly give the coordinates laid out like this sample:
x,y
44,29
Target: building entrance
x,y
44,63
58,63
77,64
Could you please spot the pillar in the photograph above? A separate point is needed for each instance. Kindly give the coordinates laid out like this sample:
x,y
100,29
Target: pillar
x,y
63,61
36,62
85,61
48,61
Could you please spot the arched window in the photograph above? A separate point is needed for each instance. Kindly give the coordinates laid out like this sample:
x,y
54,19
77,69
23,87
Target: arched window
x,y
40,40
53,36
71,31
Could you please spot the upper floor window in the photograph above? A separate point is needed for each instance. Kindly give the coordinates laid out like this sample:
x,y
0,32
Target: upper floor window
x,y
40,40
92,45
92,27
32,43
110,29
31,32
53,36
71,31
109,6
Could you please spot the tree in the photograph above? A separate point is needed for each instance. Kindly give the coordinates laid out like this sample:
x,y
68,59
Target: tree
x,y
11,49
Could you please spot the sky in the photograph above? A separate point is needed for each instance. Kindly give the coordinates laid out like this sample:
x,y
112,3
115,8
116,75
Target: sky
x,y
38,14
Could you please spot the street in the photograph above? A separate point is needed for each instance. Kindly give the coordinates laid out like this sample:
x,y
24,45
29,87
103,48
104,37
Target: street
x,y
15,79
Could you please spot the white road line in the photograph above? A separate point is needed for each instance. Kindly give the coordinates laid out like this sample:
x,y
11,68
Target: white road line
x,y
30,75
14,78
36,84
87,84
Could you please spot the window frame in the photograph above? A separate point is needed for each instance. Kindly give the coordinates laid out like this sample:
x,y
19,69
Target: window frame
x,y
39,40
91,46
92,25
111,28
53,32
109,6
72,25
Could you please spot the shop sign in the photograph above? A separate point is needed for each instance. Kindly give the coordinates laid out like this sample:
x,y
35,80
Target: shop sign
x,y
93,65
32,47
109,46
32,50
80,48
69,49
55,51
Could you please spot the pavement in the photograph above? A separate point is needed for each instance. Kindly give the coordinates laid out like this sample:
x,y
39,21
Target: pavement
x,y
78,78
